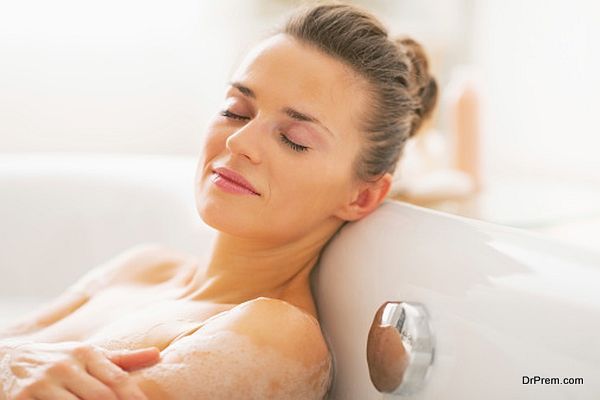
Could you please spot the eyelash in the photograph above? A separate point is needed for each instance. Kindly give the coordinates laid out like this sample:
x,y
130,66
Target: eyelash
x,y
294,146
284,139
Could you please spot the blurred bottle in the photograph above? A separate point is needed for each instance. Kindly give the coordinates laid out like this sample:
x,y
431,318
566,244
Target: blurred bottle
x,y
462,101
439,165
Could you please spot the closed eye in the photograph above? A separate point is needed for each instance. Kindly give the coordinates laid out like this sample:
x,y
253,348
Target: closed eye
x,y
295,146
230,115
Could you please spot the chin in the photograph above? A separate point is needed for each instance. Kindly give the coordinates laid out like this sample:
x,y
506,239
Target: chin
x,y
227,215
247,225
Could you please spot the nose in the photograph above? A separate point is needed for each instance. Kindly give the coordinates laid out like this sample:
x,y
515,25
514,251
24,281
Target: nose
x,y
246,141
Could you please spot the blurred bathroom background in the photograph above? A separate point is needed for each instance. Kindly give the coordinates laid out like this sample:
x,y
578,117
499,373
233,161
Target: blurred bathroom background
x,y
514,140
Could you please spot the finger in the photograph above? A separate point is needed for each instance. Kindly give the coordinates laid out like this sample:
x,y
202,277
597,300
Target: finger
x,y
85,386
134,359
111,375
54,393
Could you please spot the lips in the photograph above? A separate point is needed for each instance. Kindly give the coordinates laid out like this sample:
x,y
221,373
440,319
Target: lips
x,y
235,177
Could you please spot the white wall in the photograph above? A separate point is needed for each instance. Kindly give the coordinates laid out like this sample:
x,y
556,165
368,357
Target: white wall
x,y
540,63
114,75
143,76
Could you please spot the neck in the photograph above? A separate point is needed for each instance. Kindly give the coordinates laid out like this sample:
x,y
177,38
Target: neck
x,y
240,269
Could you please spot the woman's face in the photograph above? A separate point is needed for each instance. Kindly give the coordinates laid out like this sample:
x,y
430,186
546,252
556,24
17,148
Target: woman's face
x,y
289,125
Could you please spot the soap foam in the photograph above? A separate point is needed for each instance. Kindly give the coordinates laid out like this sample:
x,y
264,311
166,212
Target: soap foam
x,y
5,375
228,365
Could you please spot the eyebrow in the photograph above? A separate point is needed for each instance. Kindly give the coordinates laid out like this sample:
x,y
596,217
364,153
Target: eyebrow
x,y
289,111
246,91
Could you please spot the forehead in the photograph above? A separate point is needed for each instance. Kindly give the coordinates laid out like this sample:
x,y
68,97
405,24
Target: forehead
x,y
283,70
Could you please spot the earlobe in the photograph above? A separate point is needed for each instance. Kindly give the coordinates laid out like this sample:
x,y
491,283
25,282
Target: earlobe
x,y
368,199
355,209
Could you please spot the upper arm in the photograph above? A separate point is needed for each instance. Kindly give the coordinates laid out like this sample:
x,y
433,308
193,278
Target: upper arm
x,y
122,267
264,348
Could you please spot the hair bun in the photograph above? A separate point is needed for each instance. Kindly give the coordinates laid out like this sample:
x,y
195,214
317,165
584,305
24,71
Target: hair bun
x,y
420,84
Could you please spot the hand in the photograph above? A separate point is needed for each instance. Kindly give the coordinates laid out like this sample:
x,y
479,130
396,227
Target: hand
x,y
70,371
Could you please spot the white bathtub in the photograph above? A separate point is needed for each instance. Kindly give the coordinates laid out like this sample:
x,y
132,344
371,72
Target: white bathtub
x,y
502,303
61,214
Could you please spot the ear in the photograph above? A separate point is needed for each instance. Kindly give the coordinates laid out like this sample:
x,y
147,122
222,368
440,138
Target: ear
x,y
366,198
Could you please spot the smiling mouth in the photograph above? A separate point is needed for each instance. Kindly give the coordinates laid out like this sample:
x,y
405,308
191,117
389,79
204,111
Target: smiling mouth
x,y
230,186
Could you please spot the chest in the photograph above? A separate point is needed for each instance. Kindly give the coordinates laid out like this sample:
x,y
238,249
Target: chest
x,y
129,317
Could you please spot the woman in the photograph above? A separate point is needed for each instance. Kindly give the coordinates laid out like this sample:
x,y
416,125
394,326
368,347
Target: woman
x,y
312,126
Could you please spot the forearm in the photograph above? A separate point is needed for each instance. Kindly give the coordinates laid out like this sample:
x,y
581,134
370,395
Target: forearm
x,y
18,329
45,315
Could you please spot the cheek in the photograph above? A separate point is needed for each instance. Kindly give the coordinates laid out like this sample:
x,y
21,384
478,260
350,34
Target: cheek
x,y
313,188
214,140
214,144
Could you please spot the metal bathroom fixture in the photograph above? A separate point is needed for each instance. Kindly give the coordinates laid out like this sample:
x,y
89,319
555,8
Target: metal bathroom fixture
x,y
400,348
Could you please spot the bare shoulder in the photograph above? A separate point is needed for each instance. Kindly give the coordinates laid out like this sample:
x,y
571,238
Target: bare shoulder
x,y
279,325
263,348
145,263
274,325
